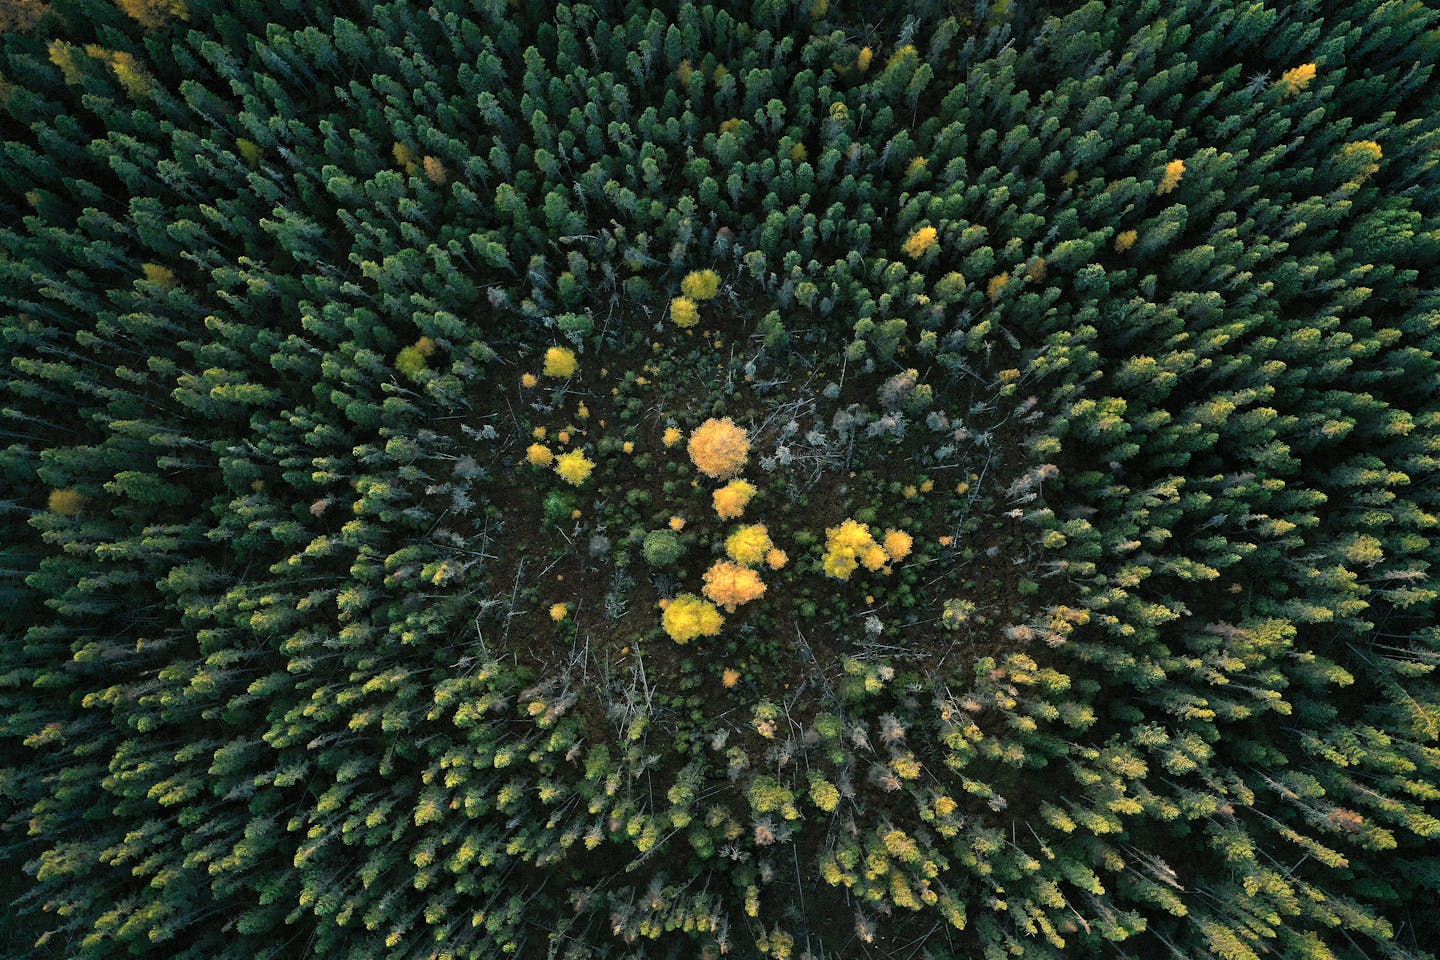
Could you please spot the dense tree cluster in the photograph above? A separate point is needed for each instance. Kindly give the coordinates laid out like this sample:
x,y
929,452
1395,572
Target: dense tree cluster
x,y
385,385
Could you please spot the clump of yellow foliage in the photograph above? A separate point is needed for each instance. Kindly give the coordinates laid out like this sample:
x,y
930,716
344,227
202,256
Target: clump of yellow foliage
x,y
1174,170
250,151
700,284
898,544
560,362
688,617
921,240
1361,157
404,156
539,454
1298,78
997,285
684,312
62,54
574,467
435,171
730,585
852,544
719,448
126,68
749,545
730,500
158,274
906,52
151,14
67,503
412,360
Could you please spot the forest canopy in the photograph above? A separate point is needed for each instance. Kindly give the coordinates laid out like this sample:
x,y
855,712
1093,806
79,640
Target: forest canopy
x,y
794,479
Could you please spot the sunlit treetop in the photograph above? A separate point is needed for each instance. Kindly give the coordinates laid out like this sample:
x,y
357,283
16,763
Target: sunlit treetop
x,y
730,585
688,616
719,448
560,362
921,240
700,285
1298,78
683,312
730,500
574,467
748,545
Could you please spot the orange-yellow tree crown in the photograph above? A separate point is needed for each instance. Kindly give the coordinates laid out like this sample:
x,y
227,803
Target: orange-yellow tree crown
x,y
719,448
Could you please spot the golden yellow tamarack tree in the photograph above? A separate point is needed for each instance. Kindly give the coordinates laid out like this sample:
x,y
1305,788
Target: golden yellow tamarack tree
x,y
701,285
67,502
152,14
412,360
159,274
684,312
1358,160
1297,78
560,362
435,171
404,156
127,69
1174,170
688,616
920,241
749,545
719,448
731,585
574,467
730,500
851,544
